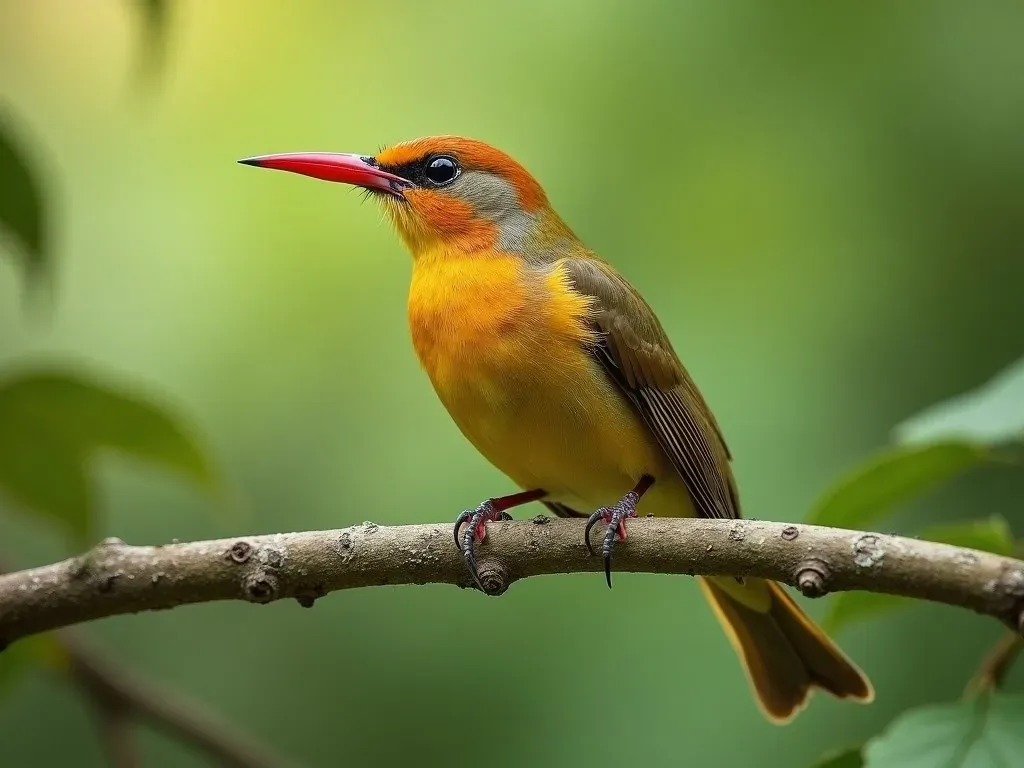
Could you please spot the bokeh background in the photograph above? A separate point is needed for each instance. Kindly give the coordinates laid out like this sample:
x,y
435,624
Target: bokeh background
x,y
822,201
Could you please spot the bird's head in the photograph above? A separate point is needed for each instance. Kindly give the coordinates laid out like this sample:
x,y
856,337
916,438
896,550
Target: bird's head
x,y
443,193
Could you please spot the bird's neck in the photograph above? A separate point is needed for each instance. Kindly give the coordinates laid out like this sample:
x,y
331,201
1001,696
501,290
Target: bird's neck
x,y
525,234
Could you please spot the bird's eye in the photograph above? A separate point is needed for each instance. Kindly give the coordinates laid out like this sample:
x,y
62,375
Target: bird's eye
x,y
441,170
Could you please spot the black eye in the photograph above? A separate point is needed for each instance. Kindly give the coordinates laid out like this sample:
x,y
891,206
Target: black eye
x,y
441,170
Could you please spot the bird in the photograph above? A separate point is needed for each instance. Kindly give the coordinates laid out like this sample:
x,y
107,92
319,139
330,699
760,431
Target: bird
x,y
561,375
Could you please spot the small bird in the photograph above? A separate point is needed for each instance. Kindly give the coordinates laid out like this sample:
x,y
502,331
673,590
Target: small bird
x,y
560,374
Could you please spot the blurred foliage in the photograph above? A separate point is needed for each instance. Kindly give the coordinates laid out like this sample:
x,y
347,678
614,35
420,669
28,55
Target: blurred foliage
x,y
23,209
993,413
927,459
974,733
53,423
895,477
860,169
155,18
938,444
850,757
985,731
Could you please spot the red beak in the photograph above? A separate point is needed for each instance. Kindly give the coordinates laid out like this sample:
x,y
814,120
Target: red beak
x,y
359,170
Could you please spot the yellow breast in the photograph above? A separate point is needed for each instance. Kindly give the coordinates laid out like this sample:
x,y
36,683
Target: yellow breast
x,y
504,346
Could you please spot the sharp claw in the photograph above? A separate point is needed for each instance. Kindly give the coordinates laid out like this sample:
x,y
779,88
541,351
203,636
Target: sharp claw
x,y
467,549
615,517
458,524
476,578
591,522
471,564
609,534
609,542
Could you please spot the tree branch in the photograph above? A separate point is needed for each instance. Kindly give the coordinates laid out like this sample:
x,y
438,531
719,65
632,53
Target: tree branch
x,y
120,697
114,722
114,578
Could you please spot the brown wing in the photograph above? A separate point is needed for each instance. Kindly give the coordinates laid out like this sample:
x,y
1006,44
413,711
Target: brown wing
x,y
636,353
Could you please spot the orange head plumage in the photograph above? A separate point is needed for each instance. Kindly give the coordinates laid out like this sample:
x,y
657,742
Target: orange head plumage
x,y
443,193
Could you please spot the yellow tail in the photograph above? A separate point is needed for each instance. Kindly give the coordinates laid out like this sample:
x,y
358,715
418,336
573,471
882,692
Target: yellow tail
x,y
785,654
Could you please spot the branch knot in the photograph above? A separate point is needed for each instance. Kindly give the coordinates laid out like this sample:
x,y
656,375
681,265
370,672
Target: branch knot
x,y
812,577
261,587
240,552
493,578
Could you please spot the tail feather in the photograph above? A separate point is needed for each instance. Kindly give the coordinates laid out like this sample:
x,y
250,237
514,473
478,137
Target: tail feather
x,y
786,655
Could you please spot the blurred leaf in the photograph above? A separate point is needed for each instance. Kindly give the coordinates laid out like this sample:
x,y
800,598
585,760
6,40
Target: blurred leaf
x,y
845,758
993,413
982,732
152,46
95,414
896,476
51,425
23,211
42,472
989,535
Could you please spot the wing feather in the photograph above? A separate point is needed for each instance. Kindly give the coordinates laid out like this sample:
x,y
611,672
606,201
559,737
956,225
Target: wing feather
x,y
636,353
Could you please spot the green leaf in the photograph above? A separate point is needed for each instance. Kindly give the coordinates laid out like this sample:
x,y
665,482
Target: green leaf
x,y
52,424
989,535
23,211
42,472
895,476
991,414
844,758
986,731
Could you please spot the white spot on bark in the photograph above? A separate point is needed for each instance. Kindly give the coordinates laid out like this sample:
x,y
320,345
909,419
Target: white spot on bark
x,y
868,551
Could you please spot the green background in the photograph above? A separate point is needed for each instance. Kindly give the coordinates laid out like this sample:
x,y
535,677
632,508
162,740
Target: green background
x,y
822,201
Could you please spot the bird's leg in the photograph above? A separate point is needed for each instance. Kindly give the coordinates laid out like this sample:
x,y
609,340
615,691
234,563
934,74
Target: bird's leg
x,y
476,523
615,516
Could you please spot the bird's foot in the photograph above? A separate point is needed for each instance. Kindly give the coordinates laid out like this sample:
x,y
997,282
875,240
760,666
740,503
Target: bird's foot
x,y
492,510
476,530
615,518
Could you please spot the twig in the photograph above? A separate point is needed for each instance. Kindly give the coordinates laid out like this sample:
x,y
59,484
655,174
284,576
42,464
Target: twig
x,y
114,578
115,726
996,664
121,697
